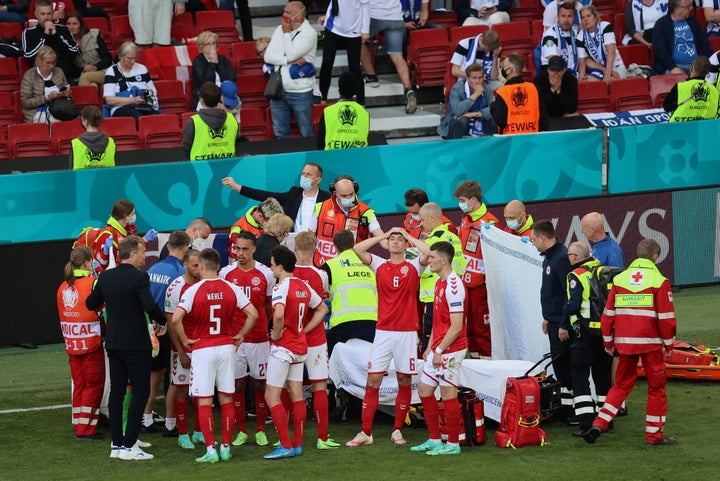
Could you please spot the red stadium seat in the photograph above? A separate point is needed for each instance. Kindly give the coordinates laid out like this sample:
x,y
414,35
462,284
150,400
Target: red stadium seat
x,y
112,7
244,59
528,73
120,30
123,130
11,30
171,96
29,140
637,54
538,29
86,95
427,55
102,24
251,89
317,113
4,152
605,7
527,11
183,27
515,37
253,124
619,27
8,111
459,33
446,18
221,22
63,133
660,85
160,130
630,94
185,118
700,17
714,43
593,97
9,76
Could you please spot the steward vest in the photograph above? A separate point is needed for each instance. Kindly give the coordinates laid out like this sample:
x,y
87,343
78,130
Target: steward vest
x,y
428,278
209,143
470,239
80,326
582,274
523,108
697,100
347,125
84,158
415,228
332,219
247,223
353,289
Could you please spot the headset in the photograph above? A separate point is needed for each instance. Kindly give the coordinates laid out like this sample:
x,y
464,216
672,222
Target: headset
x,y
342,177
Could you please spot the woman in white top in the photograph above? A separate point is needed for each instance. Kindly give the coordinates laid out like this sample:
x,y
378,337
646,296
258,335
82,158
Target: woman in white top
x,y
640,18
129,91
597,52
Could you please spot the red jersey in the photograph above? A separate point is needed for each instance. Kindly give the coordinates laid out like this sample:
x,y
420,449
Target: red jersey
x,y
318,281
298,299
257,284
397,287
173,294
449,299
212,303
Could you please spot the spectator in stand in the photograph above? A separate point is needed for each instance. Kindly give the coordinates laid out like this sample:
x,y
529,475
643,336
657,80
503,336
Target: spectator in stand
x,y
14,11
711,9
559,39
129,91
260,47
678,38
60,9
415,14
597,49
41,85
93,148
557,88
483,12
640,18
243,9
230,100
347,24
292,47
151,20
47,33
209,66
93,55
88,11
468,108
386,17
714,68
484,49
552,10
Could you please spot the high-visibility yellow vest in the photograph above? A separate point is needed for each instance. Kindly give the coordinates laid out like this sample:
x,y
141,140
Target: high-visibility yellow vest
x,y
353,289
209,143
347,125
428,278
697,99
582,274
84,158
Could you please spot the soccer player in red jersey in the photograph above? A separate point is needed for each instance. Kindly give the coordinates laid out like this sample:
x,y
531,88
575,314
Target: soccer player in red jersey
x,y
212,303
398,282
180,358
292,301
256,280
316,361
445,352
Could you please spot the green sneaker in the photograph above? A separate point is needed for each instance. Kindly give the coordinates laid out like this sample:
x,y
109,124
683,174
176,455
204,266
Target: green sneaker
x,y
261,438
426,446
208,458
225,454
444,449
184,442
329,444
197,437
276,444
240,439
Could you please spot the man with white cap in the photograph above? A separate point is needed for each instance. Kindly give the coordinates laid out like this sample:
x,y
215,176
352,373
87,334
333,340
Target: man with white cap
x,y
212,132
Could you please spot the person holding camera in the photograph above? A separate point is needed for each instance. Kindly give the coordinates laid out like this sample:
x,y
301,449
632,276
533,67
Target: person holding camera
x,y
129,91
41,85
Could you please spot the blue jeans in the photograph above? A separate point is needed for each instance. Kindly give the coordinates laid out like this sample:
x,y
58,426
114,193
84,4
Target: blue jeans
x,y
300,105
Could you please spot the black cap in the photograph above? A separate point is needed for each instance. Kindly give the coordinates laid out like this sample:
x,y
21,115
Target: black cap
x,y
556,62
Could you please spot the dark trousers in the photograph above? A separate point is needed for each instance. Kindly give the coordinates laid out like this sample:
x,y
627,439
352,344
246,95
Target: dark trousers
x,y
132,366
562,367
427,327
331,45
588,354
350,330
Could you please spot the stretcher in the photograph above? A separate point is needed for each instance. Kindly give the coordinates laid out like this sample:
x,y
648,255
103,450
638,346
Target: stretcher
x,y
689,373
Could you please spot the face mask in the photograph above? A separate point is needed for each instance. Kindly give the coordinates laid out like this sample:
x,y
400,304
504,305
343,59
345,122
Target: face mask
x,y
415,217
464,207
286,18
347,203
132,219
305,183
504,72
198,244
513,224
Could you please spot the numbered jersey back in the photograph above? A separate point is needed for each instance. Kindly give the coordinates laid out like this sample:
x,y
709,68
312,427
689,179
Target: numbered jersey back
x,y
298,299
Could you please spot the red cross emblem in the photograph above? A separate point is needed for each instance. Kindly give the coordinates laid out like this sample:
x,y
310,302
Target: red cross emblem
x,y
637,278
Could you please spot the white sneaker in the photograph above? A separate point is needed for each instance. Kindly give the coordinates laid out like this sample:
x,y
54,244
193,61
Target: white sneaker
x,y
114,451
360,439
397,437
142,444
133,454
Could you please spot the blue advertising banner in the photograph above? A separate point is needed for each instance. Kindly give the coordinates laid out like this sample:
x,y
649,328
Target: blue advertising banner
x,y
57,205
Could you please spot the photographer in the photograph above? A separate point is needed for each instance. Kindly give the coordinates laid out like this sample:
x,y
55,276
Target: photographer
x,y
128,89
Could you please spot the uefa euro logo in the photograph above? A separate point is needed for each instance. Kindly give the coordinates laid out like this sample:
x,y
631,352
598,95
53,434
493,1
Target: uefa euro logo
x,y
699,92
347,115
94,156
519,97
217,133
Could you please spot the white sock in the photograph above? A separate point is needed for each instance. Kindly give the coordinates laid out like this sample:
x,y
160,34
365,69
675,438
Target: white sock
x,y
147,419
224,447
169,423
211,449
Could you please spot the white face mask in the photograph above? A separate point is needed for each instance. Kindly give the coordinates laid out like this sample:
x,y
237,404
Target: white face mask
x,y
513,224
305,183
131,220
199,244
464,207
415,217
347,203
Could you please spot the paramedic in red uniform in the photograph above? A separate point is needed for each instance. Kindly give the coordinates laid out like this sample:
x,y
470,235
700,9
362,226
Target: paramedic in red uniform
x,y
82,331
414,199
639,322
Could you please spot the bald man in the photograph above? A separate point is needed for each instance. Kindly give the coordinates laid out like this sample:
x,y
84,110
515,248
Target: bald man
x,y
517,221
604,247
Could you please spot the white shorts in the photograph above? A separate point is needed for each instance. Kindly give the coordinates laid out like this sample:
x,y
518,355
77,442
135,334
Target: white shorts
x,y
316,363
211,367
252,357
449,372
179,376
398,345
151,21
284,365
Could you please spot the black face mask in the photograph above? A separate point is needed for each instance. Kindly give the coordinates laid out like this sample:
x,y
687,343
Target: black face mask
x,y
504,73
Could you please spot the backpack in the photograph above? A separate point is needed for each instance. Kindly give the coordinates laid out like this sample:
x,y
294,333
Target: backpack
x,y
520,414
88,237
600,281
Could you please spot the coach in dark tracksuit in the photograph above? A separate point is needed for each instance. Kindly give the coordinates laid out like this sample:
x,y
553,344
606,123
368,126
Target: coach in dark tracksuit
x,y
125,290
553,297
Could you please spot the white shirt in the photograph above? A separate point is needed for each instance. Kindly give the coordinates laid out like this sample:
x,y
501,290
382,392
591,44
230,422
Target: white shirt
x,y
306,220
353,18
285,48
386,10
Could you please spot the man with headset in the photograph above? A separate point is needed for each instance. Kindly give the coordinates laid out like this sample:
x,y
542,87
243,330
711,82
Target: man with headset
x,y
343,211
